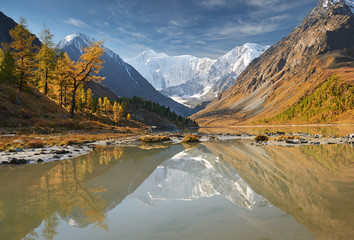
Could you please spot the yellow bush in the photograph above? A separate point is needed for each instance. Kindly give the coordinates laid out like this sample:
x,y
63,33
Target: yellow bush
x,y
191,138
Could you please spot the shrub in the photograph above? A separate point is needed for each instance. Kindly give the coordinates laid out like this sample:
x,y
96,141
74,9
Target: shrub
x,y
35,144
191,138
154,139
261,138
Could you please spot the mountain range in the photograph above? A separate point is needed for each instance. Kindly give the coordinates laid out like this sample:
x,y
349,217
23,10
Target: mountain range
x,y
120,77
321,46
192,80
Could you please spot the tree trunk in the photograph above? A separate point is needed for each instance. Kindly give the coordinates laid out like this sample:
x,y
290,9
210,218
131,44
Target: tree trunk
x,y
21,81
65,96
73,102
46,83
61,96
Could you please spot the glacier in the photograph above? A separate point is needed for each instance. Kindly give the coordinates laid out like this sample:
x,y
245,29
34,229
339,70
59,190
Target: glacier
x,y
188,78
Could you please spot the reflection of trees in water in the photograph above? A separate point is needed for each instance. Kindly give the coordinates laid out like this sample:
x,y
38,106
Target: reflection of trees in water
x,y
62,192
2,211
333,159
39,195
339,130
50,225
312,183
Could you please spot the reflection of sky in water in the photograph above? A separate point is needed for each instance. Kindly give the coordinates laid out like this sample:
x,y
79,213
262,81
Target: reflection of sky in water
x,y
211,191
191,195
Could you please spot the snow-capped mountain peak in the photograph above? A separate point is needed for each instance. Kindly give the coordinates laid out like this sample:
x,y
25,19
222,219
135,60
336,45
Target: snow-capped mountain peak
x,y
151,53
80,39
324,5
120,77
190,77
164,71
349,3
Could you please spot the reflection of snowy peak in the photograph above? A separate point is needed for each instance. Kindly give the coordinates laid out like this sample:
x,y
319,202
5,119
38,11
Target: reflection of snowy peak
x,y
194,174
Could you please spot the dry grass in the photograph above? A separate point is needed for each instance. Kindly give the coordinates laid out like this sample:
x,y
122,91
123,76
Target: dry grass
x,y
35,144
8,143
287,137
191,138
154,139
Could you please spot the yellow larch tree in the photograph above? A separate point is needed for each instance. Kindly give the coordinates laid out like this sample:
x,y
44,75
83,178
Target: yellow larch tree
x,y
63,73
46,58
23,52
89,99
86,69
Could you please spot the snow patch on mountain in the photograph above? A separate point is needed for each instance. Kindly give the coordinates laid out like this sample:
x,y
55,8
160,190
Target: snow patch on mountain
x,y
164,71
349,3
79,39
187,76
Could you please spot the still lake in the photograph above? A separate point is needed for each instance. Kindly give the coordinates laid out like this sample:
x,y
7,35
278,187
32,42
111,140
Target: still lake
x,y
213,190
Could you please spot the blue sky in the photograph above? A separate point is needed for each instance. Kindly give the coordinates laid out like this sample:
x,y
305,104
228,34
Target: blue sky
x,y
204,28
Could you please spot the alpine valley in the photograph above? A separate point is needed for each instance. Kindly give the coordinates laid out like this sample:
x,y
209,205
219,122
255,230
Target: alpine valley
x,y
305,78
248,135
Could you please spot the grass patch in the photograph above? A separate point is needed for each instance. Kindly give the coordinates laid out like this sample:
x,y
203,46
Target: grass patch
x,y
287,137
154,139
35,144
191,138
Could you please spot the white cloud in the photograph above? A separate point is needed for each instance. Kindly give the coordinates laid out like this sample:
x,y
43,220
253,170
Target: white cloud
x,y
75,22
102,23
213,3
132,33
262,3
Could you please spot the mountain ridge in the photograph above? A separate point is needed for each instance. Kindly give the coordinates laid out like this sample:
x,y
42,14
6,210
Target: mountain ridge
x,y
190,79
319,47
120,77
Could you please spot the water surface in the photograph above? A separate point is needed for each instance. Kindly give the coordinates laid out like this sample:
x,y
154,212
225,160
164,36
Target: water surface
x,y
226,190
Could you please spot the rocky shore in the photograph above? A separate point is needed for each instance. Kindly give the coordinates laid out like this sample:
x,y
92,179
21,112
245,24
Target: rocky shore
x,y
54,153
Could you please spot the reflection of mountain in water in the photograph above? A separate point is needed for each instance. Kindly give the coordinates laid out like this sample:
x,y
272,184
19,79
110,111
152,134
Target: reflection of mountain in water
x,y
121,178
314,184
193,174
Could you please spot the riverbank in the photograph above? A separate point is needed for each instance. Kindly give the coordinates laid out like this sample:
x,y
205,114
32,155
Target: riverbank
x,y
23,149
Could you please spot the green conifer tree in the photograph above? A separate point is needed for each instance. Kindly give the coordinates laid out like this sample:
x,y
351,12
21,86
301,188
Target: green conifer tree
x,y
8,69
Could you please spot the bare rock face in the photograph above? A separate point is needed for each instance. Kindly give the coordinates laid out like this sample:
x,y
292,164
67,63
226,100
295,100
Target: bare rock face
x,y
322,45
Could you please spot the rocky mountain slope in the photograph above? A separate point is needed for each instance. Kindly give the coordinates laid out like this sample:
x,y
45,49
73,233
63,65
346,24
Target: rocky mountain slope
x,y
6,24
321,46
121,78
193,80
